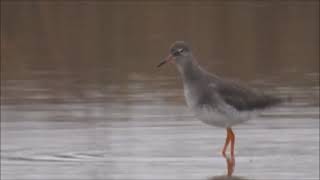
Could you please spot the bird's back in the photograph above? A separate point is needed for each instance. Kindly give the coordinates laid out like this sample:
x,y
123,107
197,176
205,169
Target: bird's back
x,y
239,96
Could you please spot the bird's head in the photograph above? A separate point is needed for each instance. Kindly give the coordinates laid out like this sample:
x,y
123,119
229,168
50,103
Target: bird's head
x,y
180,53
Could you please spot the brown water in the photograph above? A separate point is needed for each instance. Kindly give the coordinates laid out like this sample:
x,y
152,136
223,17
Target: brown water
x,y
81,97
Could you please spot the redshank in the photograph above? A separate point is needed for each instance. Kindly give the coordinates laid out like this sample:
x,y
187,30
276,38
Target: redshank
x,y
214,100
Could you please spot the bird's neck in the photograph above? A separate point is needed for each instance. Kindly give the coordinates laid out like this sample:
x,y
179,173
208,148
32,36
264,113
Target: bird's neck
x,y
190,71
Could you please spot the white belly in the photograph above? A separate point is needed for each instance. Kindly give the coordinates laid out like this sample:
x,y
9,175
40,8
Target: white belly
x,y
216,117
222,116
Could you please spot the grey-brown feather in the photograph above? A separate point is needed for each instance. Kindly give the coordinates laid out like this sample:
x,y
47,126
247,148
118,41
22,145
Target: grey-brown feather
x,y
206,89
209,86
241,96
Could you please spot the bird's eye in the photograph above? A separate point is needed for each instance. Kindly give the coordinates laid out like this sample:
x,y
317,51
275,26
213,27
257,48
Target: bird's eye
x,y
181,50
178,52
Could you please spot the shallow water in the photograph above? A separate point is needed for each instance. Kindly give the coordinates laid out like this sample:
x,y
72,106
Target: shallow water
x,y
101,109
118,136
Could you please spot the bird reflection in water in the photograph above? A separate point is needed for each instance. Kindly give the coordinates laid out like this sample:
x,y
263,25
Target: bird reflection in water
x,y
230,168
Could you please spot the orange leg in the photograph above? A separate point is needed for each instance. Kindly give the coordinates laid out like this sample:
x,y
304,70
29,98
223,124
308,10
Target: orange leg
x,y
226,144
230,161
232,139
230,165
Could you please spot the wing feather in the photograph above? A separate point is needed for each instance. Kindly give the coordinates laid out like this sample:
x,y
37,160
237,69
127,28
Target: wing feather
x,y
244,98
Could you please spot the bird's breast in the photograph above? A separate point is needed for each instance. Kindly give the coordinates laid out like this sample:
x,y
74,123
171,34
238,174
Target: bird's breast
x,y
188,96
192,96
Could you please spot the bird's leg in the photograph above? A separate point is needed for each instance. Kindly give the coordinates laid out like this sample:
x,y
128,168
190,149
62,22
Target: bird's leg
x,y
232,139
226,143
230,165
230,161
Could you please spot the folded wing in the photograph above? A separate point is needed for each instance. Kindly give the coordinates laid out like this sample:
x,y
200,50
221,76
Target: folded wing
x,y
243,98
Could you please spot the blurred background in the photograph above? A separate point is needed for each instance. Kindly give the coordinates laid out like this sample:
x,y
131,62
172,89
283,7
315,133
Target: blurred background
x,y
81,96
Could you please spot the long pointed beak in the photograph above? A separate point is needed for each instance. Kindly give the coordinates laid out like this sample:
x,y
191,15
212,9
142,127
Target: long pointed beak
x,y
167,59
